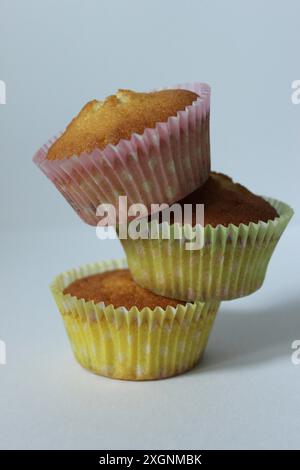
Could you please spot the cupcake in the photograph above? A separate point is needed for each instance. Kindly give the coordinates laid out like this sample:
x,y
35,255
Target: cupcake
x,y
120,330
240,233
145,146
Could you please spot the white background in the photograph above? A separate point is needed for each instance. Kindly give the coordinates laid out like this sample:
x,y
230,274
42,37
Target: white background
x,y
55,56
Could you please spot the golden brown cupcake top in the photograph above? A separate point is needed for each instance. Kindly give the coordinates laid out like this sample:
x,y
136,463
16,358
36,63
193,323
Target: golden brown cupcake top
x,y
100,123
119,289
226,202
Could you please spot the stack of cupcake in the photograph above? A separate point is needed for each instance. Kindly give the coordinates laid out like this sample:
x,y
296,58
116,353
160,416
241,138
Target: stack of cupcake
x,y
153,320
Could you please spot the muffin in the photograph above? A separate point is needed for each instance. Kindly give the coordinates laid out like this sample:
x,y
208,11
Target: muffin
x,y
239,235
120,330
145,146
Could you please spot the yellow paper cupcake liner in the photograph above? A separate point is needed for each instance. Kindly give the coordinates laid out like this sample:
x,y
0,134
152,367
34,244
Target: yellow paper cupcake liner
x,y
231,264
132,344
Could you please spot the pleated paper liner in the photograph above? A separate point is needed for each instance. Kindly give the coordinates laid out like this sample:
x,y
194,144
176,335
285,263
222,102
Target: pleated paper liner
x,y
132,344
231,264
148,168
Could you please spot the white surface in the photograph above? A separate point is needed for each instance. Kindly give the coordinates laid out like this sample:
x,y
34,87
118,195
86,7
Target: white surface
x,y
245,393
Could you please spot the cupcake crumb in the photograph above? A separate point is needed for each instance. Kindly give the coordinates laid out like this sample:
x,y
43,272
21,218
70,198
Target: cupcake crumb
x,y
117,288
100,123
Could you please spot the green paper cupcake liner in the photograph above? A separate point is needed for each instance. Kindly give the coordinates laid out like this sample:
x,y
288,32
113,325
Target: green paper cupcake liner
x,y
232,262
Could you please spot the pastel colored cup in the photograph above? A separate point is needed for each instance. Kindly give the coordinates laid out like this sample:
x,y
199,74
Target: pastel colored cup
x,y
151,168
132,344
232,262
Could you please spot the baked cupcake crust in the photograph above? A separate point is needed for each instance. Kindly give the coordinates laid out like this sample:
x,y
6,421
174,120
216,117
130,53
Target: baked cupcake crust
x,y
226,202
100,123
117,288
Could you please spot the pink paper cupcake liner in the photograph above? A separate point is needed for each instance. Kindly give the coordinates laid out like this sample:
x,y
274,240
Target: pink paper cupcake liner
x,y
162,165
